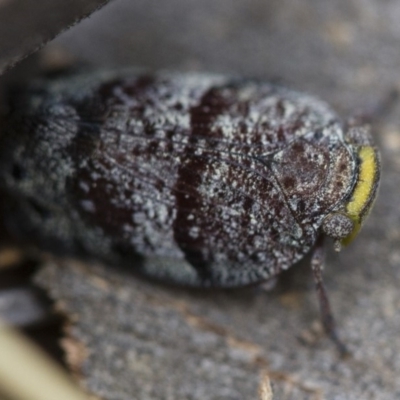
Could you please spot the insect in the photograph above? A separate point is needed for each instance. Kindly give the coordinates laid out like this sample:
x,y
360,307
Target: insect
x,y
197,179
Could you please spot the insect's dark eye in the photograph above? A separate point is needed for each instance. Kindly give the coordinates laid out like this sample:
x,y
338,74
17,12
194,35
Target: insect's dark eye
x,y
18,172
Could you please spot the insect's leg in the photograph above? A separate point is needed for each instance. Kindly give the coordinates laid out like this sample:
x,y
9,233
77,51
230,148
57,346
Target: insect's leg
x,y
328,321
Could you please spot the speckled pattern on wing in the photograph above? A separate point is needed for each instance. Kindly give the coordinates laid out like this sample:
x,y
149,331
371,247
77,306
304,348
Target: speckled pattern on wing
x,y
206,180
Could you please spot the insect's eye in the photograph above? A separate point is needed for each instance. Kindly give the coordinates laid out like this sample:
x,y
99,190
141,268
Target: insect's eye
x,y
337,226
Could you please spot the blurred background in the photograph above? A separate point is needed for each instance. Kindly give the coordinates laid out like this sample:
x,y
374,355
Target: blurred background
x,y
345,51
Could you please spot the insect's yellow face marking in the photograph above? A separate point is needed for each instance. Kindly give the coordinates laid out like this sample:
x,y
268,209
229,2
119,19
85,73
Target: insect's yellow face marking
x,y
364,191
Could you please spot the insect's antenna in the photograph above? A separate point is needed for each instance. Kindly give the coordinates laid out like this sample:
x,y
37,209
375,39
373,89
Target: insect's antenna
x,y
328,321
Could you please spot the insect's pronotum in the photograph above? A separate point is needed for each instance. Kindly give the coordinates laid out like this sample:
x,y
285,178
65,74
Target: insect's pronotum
x,y
196,179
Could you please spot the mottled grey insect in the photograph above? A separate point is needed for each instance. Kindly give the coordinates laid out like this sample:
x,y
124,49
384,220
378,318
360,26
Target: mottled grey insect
x,y
195,179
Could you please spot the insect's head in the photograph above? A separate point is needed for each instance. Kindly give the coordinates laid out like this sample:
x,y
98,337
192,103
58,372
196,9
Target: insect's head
x,y
344,225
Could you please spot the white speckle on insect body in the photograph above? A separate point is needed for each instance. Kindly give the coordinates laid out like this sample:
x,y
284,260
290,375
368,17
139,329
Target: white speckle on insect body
x,y
88,206
214,171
